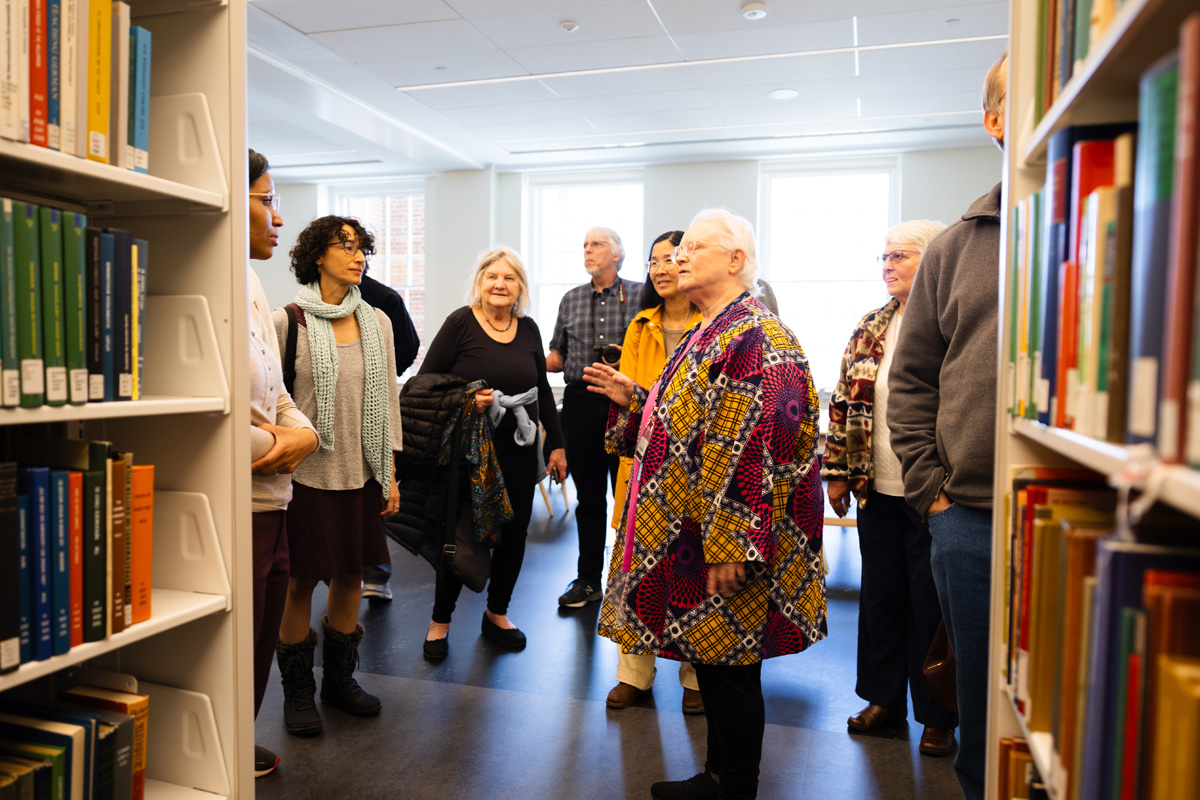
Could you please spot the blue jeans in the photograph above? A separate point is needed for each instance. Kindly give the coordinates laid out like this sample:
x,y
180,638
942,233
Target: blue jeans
x,y
961,557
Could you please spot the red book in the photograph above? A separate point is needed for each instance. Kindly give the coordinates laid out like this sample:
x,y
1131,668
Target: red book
x,y
1133,727
39,73
75,549
141,540
1068,342
1181,259
1092,166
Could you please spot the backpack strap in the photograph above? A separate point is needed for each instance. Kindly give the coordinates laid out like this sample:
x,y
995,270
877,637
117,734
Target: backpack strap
x,y
295,315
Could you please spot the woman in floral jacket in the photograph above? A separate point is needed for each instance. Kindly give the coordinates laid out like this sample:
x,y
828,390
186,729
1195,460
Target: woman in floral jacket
x,y
898,610
721,561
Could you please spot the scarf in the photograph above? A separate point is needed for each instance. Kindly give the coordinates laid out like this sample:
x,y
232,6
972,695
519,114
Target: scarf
x,y
490,507
376,435
526,431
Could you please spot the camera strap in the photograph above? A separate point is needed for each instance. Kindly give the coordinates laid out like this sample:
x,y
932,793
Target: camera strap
x,y
621,303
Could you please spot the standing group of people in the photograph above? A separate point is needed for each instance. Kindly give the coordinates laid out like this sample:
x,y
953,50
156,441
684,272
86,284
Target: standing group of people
x,y
689,396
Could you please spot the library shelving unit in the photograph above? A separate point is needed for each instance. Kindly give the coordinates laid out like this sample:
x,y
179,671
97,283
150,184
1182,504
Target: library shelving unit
x,y
1103,89
193,656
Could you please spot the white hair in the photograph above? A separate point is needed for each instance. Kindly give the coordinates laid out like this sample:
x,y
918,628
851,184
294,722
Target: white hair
x,y
734,233
485,259
917,232
995,85
614,240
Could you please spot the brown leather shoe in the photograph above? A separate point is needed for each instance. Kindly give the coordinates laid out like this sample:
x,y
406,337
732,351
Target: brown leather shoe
x,y
623,695
936,741
693,703
874,717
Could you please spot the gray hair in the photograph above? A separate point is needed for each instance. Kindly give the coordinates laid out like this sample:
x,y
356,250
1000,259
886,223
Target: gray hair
x,y
917,232
735,233
486,259
995,85
614,239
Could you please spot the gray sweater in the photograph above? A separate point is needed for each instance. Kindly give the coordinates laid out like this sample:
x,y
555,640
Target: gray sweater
x,y
943,380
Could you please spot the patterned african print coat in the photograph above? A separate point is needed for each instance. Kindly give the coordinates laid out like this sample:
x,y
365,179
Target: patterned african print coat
x,y
852,407
730,475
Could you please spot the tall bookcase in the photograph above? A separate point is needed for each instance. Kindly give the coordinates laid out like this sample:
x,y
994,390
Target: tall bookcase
x,y
193,423
1104,89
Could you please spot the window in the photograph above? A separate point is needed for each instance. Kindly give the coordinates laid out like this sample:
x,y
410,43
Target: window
x,y
397,221
821,229
561,209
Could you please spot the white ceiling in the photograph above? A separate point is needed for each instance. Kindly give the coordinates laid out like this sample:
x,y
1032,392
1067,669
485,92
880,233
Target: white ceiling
x,y
374,88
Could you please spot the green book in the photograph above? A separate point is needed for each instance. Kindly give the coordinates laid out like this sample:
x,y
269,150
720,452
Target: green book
x,y
1083,30
1014,273
54,755
29,304
74,304
10,364
54,345
1033,302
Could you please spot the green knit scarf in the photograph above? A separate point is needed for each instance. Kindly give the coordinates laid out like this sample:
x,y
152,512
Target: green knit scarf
x,y
376,435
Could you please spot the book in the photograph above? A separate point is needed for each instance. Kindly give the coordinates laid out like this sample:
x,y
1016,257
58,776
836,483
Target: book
x,y
140,49
95,533
61,713
127,576
54,757
122,304
10,571
60,566
122,751
141,541
33,778
28,295
99,77
116,543
1129,647
69,736
1174,765
24,32
136,706
54,345
75,305
75,550
10,358
37,72
94,285
10,55
1153,189
53,64
1095,309
73,74
34,483
1117,276
141,260
25,577
118,125
1006,744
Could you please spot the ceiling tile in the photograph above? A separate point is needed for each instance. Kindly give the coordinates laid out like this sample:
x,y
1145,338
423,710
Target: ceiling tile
x,y
776,70
925,24
778,39
578,107
596,55
923,104
932,57
658,121
416,40
765,113
621,83
503,134
483,95
486,8
619,20
310,16
459,67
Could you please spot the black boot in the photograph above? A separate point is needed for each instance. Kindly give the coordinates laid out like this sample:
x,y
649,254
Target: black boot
x,y
338,687
300,714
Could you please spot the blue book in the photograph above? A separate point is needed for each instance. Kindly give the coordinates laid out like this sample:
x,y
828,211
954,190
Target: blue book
x,y
139,330
139,102
72,738
53,73
34,483
10,570
60,561
86,719
122,312
107,247
25,579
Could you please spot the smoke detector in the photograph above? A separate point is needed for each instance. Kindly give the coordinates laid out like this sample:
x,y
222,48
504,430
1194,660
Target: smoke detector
x,y
754,9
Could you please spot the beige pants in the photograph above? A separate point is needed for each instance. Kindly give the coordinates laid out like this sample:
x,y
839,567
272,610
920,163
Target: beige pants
x,y
638,672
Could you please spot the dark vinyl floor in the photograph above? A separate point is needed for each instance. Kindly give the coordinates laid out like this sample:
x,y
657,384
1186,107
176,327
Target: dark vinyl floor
x,y
487,723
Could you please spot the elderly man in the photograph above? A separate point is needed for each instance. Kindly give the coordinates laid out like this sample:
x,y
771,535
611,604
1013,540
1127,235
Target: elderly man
x,y
591,326
946,439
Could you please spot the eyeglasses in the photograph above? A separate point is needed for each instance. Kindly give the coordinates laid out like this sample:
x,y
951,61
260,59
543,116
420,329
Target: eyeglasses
x,y
667,262
350,248
271,200
689,248
596,244
895,257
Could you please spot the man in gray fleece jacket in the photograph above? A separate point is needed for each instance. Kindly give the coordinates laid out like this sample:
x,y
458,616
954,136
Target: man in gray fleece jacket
x,y
942,415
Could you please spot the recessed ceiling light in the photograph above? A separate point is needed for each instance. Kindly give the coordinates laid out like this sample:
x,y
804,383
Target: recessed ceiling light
x,y
754,9
569,26
783,94
953,21
441,69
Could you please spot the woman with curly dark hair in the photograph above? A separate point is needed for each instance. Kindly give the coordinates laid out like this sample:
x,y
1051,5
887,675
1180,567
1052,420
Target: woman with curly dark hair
x,y
345,382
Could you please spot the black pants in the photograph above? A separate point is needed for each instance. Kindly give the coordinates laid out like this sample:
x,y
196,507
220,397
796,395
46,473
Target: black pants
x,y
584,420
519,467
898,609
733,708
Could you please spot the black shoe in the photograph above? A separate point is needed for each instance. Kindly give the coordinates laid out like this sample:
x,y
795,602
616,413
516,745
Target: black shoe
x,y
338,686
377,591
300,715
436,649
578,594
697,787
509,637
265,761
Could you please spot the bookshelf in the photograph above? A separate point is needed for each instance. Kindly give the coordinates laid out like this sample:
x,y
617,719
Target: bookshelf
x,y
1103,89
193,656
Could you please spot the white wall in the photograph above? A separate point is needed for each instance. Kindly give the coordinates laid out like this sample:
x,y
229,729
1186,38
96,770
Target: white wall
x,y
942,184
460,221
674,193
301,204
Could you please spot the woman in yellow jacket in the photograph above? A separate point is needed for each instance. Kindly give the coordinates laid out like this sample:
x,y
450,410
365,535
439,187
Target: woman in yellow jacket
x,y
666,316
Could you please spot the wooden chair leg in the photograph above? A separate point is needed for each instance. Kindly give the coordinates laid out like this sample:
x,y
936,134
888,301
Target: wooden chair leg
x,y
546,498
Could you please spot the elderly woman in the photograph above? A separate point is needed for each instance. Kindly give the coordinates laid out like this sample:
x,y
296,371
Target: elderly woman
x,y
898,610
345,382
721,549
491,339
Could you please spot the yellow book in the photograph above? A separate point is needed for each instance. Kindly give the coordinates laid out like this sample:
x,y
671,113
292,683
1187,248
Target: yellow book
x,y
1177,738
135,325
99,78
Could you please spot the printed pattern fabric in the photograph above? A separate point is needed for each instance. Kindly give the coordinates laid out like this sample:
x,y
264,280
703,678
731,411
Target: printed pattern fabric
x,y
851,408
728,476
490,508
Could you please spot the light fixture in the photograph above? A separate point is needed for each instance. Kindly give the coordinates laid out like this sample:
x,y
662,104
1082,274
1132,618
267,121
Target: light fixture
x,y
953,21
569,26
754,9
783,94
441,69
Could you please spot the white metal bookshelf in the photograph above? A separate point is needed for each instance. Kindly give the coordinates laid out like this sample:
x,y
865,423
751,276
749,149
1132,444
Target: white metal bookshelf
x,y
193,656
1103,89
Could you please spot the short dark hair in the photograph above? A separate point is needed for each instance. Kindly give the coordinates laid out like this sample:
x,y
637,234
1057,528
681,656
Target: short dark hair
x,y
650,297
258,165
314,240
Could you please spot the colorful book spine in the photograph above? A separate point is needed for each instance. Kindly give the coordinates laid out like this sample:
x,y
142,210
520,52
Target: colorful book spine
x,y
53,72
75,547
37,72
107,315
1118,274
25,575
10,359
23,66
73,79
10,570
140,274
123,312
141,539
75,305
99,78
34,483
140,104
54,336
29,300
116,547
95,533
60,562
94,286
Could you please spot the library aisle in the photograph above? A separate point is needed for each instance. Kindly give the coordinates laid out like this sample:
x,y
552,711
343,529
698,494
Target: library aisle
x,y
487,724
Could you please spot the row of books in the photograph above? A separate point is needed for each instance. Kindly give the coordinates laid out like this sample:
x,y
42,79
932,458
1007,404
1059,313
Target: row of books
x,y
76,78
1100,631
1103,272
88,744
76,546
72,301
1067,31
1018,777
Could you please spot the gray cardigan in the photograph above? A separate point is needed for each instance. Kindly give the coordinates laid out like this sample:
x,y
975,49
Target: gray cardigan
x,y
943,380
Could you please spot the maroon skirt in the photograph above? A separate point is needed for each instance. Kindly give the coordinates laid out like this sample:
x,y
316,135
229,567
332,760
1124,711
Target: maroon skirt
x,y
335,532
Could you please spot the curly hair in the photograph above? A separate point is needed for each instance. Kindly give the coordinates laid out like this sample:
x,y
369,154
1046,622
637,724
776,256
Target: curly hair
x,y
314,240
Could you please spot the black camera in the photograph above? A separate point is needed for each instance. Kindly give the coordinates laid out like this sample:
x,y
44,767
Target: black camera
x,y
608,353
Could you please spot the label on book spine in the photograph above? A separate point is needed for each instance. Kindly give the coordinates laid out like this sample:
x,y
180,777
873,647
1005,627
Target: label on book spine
x,y
125,385
1168,429
1193,427
95,386
79,386
32,375
10,387
56,384
1144,396
97,144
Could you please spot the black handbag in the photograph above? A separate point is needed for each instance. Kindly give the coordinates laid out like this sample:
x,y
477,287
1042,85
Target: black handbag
x,y
940,666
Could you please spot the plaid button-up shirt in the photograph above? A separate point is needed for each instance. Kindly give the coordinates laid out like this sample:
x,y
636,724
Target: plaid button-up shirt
x,y
573,336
